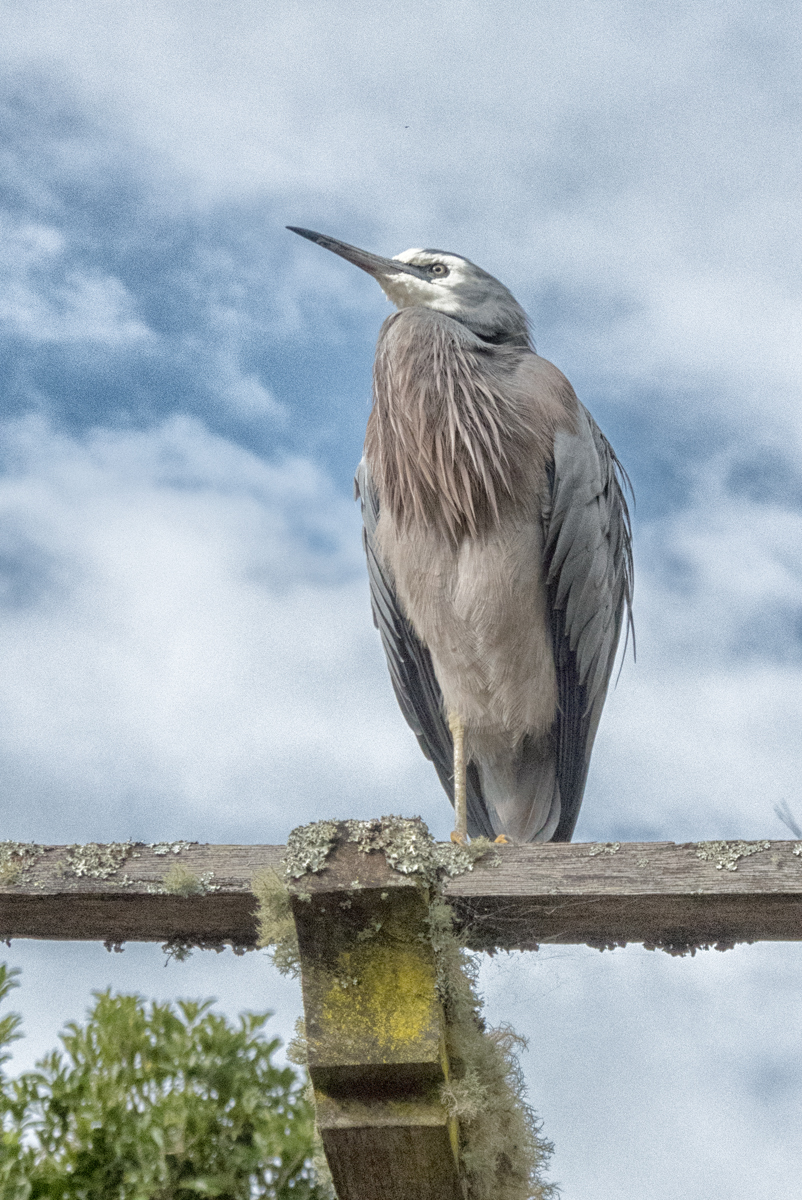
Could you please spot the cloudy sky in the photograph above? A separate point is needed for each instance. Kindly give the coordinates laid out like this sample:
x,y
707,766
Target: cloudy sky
x,y
184,623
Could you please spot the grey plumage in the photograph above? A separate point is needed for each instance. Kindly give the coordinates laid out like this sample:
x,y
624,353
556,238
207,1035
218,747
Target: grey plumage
x,y
497,540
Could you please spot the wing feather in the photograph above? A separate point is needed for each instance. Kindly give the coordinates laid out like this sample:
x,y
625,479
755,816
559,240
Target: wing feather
x,y
588,562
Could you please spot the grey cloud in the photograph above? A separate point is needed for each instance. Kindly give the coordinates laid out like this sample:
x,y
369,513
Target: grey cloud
x,y
30,574
215,647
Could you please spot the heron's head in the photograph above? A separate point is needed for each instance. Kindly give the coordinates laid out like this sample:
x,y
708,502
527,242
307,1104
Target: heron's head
x,y
445,282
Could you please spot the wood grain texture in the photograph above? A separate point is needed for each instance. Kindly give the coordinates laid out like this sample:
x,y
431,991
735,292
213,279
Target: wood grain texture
x,y
375,1032
71,893
659,893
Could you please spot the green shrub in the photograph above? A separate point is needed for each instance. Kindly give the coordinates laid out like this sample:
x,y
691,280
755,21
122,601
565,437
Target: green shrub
x,y
154,1101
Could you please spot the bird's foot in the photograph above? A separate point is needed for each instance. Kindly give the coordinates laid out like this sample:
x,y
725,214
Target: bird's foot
x,y
501,840
459,838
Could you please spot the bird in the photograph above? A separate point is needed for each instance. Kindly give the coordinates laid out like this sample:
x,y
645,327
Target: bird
x,y
498,543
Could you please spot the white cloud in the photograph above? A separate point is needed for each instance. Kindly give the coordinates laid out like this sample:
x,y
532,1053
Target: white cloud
x,y
699,738
43,299
620,154
184,642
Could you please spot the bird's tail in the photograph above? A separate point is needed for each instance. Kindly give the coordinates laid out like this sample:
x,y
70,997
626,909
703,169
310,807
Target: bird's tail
x,y
520,790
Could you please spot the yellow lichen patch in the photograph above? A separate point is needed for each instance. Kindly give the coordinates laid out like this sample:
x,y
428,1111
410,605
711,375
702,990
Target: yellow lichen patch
x,y
380,1004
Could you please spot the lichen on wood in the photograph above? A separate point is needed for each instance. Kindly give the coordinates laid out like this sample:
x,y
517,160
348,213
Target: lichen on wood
x,y
405,842
604,848
275,925
379,985
308,847
95,861
502,1153
16,860
180,881
726,855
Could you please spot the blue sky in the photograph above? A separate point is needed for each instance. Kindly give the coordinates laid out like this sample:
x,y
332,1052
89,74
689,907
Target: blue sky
x,y
184,621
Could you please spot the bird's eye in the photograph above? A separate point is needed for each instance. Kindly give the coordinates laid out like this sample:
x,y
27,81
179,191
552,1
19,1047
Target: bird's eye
x,y
439,269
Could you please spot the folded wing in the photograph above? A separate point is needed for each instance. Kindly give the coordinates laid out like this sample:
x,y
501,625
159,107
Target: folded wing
x,y
588,565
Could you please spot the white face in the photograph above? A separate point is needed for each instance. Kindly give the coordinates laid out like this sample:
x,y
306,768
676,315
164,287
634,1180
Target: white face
x,y
459,289
441,291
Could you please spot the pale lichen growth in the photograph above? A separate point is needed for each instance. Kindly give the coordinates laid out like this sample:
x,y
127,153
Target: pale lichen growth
x,y
296,1047
308,847
604,848
94,861
405,841
180,881
275,924
179,949
502,1154
16,860
726,855
162,848
410,849
797,850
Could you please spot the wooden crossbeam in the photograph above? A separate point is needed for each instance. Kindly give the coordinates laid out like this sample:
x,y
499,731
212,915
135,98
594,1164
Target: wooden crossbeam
x,y
659,893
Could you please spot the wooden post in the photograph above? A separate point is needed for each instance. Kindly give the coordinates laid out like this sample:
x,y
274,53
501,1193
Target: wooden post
x,y
375,1030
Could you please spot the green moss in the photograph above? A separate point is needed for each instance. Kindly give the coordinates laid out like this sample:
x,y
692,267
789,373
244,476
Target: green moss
x,y
180,881
380,995
501,1152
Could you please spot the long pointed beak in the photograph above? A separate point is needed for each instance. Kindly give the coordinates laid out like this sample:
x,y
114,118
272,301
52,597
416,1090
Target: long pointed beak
x,y
374,264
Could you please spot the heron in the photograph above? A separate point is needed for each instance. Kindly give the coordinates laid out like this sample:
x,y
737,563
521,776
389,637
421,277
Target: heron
x,y
498,544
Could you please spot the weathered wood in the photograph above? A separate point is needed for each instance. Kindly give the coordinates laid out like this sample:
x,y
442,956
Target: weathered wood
x,y
132,892
659,893
375,1030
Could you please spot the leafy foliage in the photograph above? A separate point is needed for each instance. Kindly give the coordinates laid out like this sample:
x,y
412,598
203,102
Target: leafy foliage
x,y
154,1101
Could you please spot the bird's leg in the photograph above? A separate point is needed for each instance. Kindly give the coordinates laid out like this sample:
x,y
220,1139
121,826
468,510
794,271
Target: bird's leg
x,y
460,834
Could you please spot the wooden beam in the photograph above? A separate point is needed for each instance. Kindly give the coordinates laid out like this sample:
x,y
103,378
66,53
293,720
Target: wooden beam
x,y
375,1030
659,893
132,892
675,896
